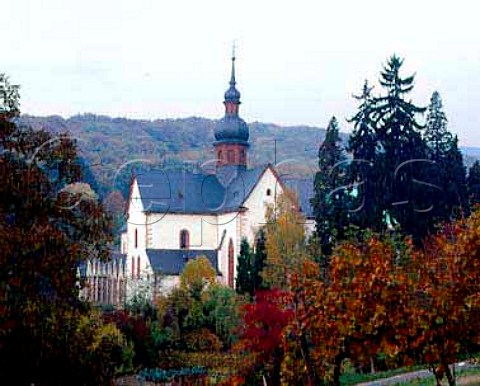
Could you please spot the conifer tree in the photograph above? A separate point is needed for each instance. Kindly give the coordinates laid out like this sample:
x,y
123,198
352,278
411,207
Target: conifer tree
x,y
436,135
259,262
473,183
330,201
448,173
365,211
244,282
400,153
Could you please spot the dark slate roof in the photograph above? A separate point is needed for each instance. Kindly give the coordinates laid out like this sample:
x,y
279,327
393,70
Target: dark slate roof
x,y
182,191
172,261
241,187
304,190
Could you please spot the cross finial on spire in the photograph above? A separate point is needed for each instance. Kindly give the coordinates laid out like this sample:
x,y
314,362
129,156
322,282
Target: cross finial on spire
x,y
232,94
232,78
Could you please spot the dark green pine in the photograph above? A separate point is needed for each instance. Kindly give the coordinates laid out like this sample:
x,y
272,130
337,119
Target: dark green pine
x,y
331,199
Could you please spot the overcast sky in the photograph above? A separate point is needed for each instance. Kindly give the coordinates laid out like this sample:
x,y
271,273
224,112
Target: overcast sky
x,y
298,62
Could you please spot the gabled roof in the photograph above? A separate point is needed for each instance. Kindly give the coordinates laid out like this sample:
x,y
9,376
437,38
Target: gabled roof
x,y
303,187
172,261
181,191
184,192
242,186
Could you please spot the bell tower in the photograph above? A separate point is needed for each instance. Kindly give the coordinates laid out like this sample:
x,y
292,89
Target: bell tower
x,y
232,133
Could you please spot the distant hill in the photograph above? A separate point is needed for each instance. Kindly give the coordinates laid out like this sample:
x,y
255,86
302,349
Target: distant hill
x,y
111,146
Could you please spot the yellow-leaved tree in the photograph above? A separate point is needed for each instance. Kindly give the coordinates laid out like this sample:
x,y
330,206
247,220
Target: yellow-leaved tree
x,y
197,275
285,241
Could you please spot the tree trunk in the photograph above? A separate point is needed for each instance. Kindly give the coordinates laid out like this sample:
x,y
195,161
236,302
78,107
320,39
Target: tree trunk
x,y
372,365
338,369
450,377
437,379
306,358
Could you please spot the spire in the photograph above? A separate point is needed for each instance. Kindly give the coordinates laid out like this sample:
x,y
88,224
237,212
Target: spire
x,y
232,94
232,77
231,133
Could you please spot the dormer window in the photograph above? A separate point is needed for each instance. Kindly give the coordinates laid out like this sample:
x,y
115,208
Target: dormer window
x,y
184,239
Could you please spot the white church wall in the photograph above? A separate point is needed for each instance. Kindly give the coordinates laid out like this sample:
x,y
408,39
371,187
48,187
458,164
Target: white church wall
x,y
168,283
124,243
228,223
137,263
257,204
309,227
164,230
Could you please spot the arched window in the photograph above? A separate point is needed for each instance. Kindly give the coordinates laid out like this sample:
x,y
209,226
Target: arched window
x,y
184,239
269,192
136,237
231,263
231,157
133,267
138,267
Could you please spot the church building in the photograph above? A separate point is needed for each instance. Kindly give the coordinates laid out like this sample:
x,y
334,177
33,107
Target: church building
x,y
175,215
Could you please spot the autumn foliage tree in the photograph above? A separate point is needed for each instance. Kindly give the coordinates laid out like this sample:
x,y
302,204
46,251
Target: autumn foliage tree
x,y
200,315
445,314
285,241
352,315
389,299
48,225
261,334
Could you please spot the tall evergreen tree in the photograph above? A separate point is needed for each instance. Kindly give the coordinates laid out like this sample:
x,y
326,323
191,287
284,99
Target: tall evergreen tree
x,y
244,281
362,144
250,265
473,183
436,135
448,173
259,262
330,202
455,182
401,153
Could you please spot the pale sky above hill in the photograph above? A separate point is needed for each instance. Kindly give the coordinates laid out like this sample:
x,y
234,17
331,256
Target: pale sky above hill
x,y
298,62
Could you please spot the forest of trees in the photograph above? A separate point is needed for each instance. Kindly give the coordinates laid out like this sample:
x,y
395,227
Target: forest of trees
x,y
390,278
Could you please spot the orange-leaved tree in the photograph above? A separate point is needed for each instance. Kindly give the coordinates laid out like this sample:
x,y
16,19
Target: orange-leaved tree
x,y
360,311
445,318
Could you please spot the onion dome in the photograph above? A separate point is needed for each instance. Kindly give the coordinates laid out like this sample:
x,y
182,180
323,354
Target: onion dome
x,y
231,128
